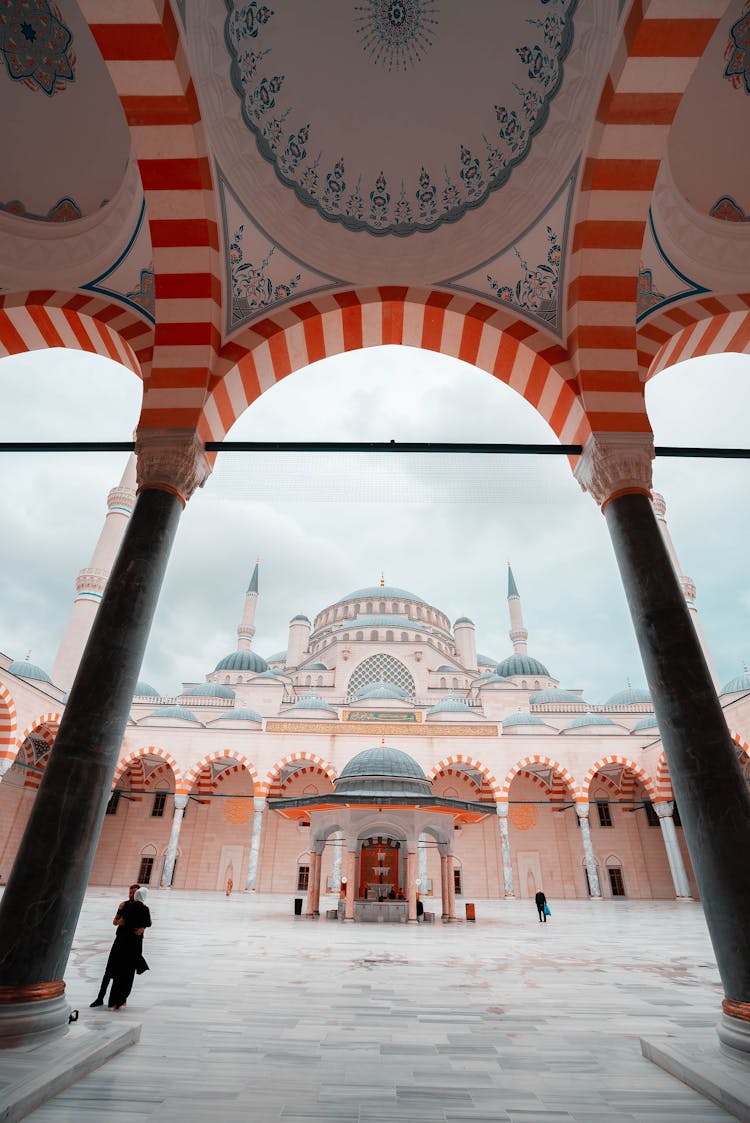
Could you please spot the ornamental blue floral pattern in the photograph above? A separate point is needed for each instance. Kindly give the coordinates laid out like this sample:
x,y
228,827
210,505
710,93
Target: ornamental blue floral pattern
x,y
737,54
396,34
144,295
252,288
36,45
64,210
648,296
537,290
728,210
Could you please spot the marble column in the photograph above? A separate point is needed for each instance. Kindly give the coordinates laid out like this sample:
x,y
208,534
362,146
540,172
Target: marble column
x,y
451,882
312,881
351,873
582,811
665,811
180,803
42,901
444,886
502,811
259,807
338,851
411,886
706,778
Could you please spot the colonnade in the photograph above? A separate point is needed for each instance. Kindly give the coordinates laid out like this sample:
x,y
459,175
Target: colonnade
x,y
42,901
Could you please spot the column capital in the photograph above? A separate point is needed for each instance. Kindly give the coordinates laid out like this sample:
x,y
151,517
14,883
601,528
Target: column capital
x,y
664,808
180,801
259,803
502,810
613,464
582,810
171,460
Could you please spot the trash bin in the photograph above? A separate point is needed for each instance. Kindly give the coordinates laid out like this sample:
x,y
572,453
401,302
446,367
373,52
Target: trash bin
x,y
298,906
471,912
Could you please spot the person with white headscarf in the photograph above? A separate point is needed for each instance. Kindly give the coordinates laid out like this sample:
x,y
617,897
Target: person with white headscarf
x,y
136,918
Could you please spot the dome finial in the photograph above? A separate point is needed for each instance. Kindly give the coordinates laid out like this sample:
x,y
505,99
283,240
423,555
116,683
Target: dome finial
x,y
627,680
382,579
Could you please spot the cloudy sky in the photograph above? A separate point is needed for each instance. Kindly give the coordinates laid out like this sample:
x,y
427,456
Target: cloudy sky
x,y
442,527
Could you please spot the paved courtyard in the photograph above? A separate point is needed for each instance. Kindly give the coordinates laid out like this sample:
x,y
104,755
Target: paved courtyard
x,y
251,1014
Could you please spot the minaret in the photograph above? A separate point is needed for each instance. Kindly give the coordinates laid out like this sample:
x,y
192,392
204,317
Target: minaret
x,y
687,584
91,581
246,630
518,633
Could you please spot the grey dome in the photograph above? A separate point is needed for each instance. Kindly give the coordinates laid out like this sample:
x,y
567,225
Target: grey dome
x,y
585,720
452,703
552,695
632,696
143,690
464,620
208,690
277,657
490,679
390,591
521,719
647,722
521,665
242,661
486,661
742,682
380,690
311,702
240,715
300,616
273,675
29,670
382,771
314,667
178,712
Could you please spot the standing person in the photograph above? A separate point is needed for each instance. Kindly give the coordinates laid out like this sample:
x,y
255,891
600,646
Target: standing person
x,y
136,918
229,886
541,902
109,969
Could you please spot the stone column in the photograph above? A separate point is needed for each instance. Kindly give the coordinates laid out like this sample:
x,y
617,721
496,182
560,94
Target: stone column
x,y
338,850
444,886
502,811
44,894
451,888
259,807
706,778
312,881
351,873
665,811
411,886
180,803
582,811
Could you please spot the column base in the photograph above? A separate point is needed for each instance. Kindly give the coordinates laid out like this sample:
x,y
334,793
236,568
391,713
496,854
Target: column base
x,y
26,1023
734,1037
510,896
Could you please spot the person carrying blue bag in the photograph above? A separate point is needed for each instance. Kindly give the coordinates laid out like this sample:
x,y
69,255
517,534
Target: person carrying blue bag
x,y
542,907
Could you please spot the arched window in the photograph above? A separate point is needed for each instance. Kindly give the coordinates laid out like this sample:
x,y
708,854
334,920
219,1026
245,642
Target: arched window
x,y
369,606
319,680
389,637
418,612
443,684
523,684
308,680
374,635
455,683
380,668
382,608
404,637
345,637
536,684
360,635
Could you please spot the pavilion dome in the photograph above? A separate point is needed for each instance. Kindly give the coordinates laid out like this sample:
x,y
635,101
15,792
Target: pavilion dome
x,y
741,682
552,695
392,592
632,696
240,715
145,690
208,690
23,669
384,771
380,690
179,713
242,661
517,664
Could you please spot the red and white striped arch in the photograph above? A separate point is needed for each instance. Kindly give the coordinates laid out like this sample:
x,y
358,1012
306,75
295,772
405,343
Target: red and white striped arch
x,y
663,780
149,750
135,774
623,762
35,321
710,326
465,784
518,353
194,773
308,774
45,726
142,47
460,759
740,742
8,725
559,773
651,68
273,774
555,793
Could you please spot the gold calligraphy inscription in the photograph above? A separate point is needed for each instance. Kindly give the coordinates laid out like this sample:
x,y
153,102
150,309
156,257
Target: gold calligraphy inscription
x,y
386,729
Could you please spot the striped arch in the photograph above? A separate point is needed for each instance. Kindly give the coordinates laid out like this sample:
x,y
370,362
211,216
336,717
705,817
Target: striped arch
x,y
740,742
689,331
535,779
137,776
563,785
149,750
624,762
142,46
46,726
33,321
314,771
488,779
651,68
663,780
494,339
608,785
8,725
272,776
194,773
460,778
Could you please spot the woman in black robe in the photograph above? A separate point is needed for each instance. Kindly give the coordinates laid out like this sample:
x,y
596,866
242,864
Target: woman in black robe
x,y
127,952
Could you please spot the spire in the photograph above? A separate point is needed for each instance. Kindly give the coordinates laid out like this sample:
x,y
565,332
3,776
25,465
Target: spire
x,y
518,633
512,588
246,630
252,589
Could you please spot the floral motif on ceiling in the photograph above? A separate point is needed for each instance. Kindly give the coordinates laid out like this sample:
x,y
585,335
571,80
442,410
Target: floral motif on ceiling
x,y
737,54
537,288
728,210
64,210
252,285
427,194
36,45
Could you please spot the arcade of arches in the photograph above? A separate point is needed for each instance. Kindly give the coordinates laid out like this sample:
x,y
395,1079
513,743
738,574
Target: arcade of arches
x,y
187,195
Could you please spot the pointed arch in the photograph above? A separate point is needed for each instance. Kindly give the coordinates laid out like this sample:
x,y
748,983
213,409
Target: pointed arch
x,y
461,780
623,762
663,780
149,750
193,773
45,726
563,783
8,725
710,326
488,778
274,773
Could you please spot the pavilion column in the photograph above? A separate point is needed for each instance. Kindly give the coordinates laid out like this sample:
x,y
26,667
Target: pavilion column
x,y
45,890
665,811
259,808
502,811
451,885
180,803
582,811
351,873
313,881
411,886
444,885
338,851
713,799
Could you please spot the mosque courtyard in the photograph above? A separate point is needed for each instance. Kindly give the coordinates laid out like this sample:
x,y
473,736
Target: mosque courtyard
x,y
249,1013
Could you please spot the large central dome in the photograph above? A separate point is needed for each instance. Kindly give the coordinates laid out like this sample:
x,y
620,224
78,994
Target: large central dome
x,y
383,591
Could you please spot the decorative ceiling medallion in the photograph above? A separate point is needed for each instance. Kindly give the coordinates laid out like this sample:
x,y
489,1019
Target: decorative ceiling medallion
x,y
35,44
402,169
396,33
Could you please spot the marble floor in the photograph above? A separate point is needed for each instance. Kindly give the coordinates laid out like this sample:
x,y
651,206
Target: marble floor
x,y
252,1014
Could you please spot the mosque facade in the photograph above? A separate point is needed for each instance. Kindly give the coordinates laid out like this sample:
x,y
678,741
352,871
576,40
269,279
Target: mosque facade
x,y
479,775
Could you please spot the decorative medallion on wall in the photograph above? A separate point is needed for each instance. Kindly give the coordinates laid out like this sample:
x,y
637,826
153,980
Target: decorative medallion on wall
x,y
396,33
728,210
737,54
371,152
36,45
660,282
237,810
64,210
523,816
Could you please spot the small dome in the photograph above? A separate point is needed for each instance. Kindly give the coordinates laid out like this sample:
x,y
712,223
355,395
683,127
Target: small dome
x,y
490,679
300,616
311,702
446,670
521,665
463,620
240,715
632,696
521,719
452,703
143,690
278,657
270,674
390,591
242,661
584,721
742,682
29,670
208,690
315,667
647,722
178,712
380,690
486,661
552,695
